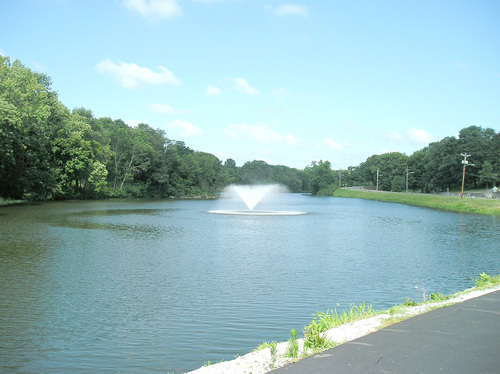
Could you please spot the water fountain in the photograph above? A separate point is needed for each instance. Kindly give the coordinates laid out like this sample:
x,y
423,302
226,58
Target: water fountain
x,y
251,195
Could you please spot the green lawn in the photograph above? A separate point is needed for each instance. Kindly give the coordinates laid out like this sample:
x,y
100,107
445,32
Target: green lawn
x,y
450,203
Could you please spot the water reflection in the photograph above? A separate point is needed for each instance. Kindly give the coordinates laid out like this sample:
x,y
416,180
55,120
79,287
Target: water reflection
x,y
132,223
162,286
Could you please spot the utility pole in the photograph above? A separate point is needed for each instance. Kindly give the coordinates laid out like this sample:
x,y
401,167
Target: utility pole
x,y
465,163
340,178
378,173
407,172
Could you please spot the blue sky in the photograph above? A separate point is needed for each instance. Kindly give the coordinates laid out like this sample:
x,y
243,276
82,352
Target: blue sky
x,y
284,82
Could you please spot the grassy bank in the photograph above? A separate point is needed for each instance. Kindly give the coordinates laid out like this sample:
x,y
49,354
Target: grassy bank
x,y
5,202
449,203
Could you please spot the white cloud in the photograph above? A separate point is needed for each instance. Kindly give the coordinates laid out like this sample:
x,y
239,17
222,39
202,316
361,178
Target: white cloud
x,y
243,86
131,75
332,144
165,109
230,133
185,128
213,91
281,93
261,133
288,9
154,9
412,135
394,136
420,136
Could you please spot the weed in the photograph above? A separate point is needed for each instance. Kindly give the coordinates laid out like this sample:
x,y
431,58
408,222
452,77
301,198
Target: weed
x,y
265,345
409,302
272,347
313,338
438,296
330,319
486,281
398,309
325,321
293,348
274,355
314,341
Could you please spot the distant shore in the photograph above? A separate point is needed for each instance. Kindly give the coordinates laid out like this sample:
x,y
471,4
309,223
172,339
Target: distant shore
x,y
11,202
447,203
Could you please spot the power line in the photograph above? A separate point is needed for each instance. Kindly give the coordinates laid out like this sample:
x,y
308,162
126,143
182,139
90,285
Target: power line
x,y
465,162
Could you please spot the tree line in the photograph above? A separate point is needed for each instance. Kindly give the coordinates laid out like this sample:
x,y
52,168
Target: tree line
x,y
50,152
437,167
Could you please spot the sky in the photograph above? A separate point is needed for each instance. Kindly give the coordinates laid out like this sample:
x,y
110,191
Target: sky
x,y
288,83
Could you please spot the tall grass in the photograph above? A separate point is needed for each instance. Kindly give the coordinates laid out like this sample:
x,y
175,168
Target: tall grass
x,y
324,321
332,318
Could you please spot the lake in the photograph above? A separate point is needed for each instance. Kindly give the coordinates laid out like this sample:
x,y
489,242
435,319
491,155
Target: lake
x,y
164,286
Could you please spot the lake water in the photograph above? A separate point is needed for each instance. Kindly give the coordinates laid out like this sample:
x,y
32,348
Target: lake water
x,y
163,286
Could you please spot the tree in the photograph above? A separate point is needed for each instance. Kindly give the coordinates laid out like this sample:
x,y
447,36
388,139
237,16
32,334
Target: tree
x,y
83,112
398,183
11,168
442,165
320,177
388,166
494,157
40,115
416,169
487,175
475,141
98,179
256,172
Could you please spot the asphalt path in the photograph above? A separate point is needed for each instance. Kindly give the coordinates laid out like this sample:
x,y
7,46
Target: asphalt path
x,y
462,338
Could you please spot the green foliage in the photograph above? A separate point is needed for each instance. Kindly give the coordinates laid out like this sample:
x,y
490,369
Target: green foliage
x,y
438,296
265,345
409,302
12,148
332,318
293,345
398,184
321,178
52,153
486,280
313,338
49,152
436,167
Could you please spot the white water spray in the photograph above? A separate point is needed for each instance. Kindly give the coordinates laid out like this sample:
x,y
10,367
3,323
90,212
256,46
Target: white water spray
x,y
251,195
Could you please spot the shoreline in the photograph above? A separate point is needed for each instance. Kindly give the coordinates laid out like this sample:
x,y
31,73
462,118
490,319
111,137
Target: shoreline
x,y
263,361
9,202
455,204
